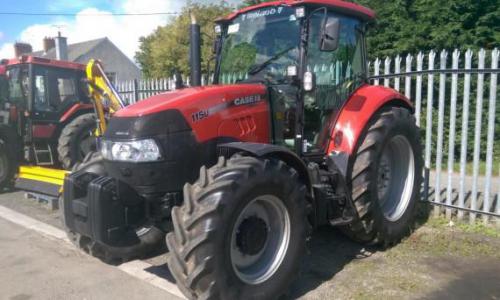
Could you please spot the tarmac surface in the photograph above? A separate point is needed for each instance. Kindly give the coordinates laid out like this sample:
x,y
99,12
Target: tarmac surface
x,y
435,262
36,267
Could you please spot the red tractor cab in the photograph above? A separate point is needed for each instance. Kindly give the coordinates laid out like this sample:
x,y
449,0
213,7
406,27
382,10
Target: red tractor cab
x,y
290,137
46,115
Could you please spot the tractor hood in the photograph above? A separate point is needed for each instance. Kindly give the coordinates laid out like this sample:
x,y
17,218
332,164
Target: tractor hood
x,y
208,112
192,100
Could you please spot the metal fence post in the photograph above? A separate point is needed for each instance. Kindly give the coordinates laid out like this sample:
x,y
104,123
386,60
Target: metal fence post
x,y
409,59
477,133
135,90
491,134
387,70
498,197
452,132
440,125
465,131
397,70
418,88
376,71
428,124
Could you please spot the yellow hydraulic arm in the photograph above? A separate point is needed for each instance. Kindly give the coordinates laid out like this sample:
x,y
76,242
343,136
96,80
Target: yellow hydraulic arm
x,y
103,95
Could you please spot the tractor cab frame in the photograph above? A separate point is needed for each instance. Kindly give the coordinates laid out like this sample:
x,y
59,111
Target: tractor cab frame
x,y
311,57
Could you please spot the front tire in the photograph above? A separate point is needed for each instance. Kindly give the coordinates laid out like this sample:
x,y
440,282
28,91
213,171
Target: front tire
x,y
241,231
385,178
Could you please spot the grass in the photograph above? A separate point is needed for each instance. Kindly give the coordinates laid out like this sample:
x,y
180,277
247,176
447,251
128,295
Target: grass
x,y
476,228
469,168
482,168
440,237
414,267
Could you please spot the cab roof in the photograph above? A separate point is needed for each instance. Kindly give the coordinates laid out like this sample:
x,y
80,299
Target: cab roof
x,y
28,59
348,8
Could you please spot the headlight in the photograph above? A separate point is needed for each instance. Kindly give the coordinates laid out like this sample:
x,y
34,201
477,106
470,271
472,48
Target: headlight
x,y
131,151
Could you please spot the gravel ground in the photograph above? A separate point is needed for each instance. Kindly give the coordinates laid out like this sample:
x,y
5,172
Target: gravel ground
x,y
437,261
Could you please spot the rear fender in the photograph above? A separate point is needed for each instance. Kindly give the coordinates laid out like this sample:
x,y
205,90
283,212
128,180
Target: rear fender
x,y
270,151
76,110
357,113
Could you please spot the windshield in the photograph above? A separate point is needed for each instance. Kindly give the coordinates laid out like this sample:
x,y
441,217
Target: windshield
x,y
260,45
18,84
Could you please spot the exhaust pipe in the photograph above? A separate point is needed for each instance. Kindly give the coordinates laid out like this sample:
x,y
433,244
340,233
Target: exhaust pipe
x,y
195,52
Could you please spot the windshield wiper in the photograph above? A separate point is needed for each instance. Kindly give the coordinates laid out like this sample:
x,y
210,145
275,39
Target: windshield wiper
x,y
256,69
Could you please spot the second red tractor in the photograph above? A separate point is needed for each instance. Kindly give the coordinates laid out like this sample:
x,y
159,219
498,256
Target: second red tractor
x,y
47,117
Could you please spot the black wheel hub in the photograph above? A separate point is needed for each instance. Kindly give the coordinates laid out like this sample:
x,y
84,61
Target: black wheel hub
x,y
252,235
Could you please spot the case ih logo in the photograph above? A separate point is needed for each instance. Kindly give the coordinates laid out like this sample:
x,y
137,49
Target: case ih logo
x,y
205,113
247,100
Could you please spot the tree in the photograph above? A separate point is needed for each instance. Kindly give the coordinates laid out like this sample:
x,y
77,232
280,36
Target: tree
x,y
409,26
166,50
403,26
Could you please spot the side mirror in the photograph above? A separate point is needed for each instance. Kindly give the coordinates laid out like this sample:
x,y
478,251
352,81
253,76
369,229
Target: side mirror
x,y
330,33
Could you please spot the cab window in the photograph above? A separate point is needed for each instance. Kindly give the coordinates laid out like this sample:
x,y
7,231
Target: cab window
x,y
18,82
337,73
41,93
64,87
54,89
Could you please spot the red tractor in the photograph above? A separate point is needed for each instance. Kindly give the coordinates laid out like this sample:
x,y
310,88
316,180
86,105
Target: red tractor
x,y
47,117
290,137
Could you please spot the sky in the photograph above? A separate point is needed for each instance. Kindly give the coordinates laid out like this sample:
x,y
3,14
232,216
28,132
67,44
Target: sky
x,y
124,31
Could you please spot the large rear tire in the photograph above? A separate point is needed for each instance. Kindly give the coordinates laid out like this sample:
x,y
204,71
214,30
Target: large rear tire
x,y
77,139
151,238
385,177
241,231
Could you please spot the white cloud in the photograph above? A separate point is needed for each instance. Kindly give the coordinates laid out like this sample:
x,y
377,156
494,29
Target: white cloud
x,y
65,5
124,31
7,50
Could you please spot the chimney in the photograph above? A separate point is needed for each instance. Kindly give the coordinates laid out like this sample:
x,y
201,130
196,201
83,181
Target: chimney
x,y
61,47
48,43
22,48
